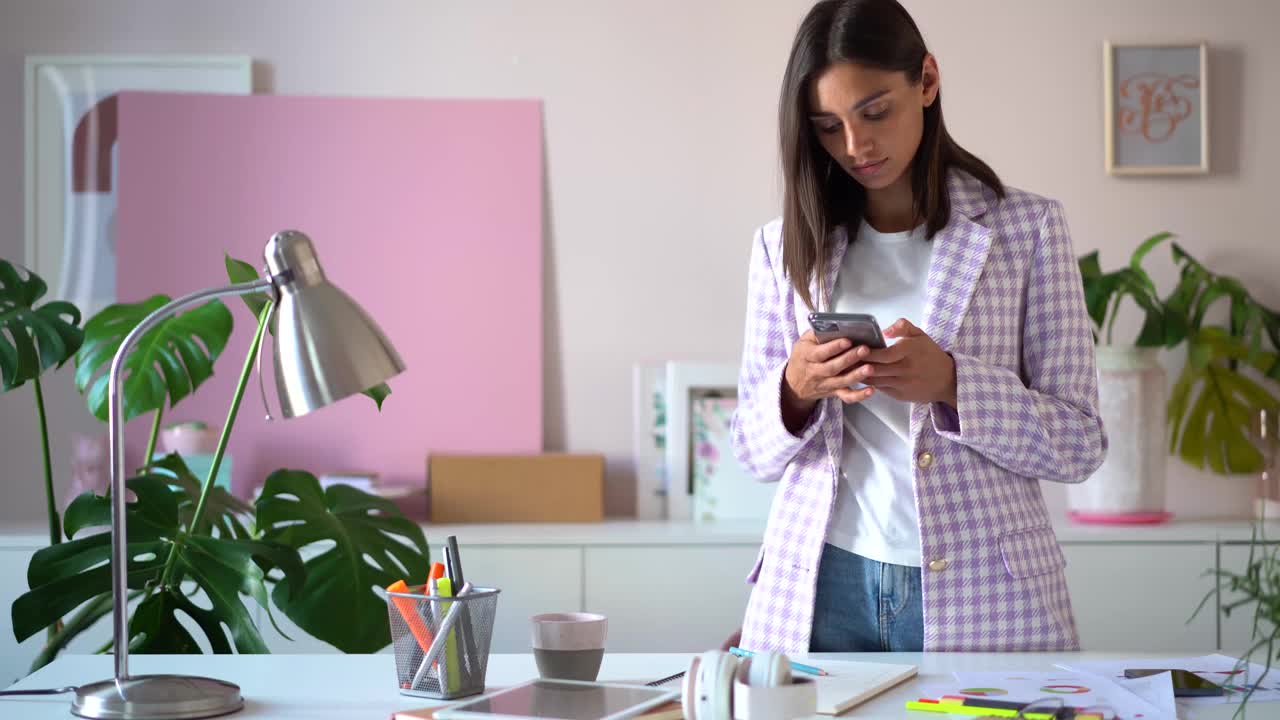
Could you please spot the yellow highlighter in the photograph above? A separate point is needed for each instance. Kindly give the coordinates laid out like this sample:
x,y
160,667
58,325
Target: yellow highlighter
x,y
444,588
983,710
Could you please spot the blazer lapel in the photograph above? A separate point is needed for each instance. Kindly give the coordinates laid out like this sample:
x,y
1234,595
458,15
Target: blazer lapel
x,y
959,255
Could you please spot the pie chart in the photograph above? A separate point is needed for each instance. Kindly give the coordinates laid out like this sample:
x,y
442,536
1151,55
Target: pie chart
x,y
1065,689
984,692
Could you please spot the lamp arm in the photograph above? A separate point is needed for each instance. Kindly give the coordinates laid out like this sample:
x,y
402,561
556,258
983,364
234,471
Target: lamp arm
x,y
115,426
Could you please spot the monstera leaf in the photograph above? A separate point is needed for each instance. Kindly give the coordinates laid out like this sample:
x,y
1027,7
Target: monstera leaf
x,y
223,511
62,577
373,545
32,339
1212,406
239,271
170,361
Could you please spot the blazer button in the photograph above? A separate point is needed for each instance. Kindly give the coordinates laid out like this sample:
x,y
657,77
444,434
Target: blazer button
x,y
938,565
924,460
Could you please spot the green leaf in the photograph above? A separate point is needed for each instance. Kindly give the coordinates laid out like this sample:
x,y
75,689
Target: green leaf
x,y
1192,447
1140,253
64,576
378,393
239,271
223,511
1090,267
32,339
156,628
373,546
1176,408
168,363
1215,431
1098,292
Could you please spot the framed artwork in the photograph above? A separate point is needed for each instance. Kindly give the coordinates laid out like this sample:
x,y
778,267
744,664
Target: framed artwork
x,y
649,440
71,157
1156,103
686,385
722,489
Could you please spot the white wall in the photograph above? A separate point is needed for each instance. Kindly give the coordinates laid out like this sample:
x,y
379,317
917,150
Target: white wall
x,y
661,158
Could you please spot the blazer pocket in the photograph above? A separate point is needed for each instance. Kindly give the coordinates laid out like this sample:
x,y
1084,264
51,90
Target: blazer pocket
x,y
1031,552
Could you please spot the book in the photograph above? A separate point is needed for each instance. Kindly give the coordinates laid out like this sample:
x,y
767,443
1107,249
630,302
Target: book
x,y
853,683
670,711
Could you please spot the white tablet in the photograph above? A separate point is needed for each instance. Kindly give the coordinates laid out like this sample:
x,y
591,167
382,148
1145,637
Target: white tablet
x,y
560,700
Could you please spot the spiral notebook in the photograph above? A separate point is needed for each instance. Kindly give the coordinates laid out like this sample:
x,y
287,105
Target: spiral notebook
x,y
853,683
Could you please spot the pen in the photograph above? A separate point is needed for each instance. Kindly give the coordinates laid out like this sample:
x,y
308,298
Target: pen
x,y
794,665
438,645
469,648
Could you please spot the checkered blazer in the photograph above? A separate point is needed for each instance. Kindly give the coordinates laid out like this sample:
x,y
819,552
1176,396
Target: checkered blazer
x,y
1005,299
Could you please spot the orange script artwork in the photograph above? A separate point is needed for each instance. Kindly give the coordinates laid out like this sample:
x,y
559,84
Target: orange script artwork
x,y
1150,105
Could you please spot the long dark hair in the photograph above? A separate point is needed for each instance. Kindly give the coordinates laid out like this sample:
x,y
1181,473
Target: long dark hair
x,y
818,198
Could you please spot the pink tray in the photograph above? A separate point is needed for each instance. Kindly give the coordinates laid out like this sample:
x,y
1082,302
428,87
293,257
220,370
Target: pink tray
x,y
1131,518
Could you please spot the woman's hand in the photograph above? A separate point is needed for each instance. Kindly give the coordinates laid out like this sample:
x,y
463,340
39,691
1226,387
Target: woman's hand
x,y
818,370
914,369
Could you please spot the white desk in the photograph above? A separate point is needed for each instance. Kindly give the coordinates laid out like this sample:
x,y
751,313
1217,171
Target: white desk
x,y
363,687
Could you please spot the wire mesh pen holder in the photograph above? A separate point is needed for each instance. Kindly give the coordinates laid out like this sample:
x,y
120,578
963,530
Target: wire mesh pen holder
x,y
441,643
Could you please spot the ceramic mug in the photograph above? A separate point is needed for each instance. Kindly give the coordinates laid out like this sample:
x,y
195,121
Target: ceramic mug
x,y
569,646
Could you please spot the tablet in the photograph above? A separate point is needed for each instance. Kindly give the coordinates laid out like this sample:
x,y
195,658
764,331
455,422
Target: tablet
x,y
560,700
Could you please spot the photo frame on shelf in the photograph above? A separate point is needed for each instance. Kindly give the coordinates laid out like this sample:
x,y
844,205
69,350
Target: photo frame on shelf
x,y
72,155
723,490
1156,108
648,439
700,401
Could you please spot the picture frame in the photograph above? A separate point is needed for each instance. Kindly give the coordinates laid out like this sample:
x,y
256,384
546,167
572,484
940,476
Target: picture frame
x,y
723,490
648,439
1156,108
71,157
685,382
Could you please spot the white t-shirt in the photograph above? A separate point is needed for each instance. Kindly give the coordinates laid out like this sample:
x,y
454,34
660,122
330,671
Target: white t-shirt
x,y
883,274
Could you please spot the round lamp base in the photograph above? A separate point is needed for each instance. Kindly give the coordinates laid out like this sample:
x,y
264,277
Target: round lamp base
x,y
150,697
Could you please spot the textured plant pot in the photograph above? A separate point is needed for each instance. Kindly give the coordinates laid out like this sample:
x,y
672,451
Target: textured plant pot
x,y
188,440
1129,487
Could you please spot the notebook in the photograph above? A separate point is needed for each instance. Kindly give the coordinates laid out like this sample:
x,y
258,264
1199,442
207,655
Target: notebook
x,y
853,683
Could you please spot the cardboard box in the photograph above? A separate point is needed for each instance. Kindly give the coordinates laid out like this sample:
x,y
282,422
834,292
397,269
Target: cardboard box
x,y
551,487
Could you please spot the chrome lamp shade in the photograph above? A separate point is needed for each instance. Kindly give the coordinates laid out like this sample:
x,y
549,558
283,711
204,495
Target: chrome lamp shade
x,y
326,349
326,346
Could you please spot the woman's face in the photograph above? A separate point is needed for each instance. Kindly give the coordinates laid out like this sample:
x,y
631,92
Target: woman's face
x,y
870,121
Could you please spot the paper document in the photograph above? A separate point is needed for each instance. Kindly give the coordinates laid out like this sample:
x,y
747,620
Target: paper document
x,y
1075,689
1219,669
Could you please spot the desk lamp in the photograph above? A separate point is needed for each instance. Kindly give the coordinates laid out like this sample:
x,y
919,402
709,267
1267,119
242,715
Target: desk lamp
x,y
326,348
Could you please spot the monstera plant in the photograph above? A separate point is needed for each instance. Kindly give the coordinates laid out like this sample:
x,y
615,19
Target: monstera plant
x,y
1230,367
196,551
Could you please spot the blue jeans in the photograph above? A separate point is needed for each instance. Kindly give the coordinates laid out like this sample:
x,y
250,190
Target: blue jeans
x,y
866,606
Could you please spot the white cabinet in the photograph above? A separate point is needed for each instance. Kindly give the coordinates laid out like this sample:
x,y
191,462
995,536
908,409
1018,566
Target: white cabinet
x,y
1139,596
1237,628
15,659
668,599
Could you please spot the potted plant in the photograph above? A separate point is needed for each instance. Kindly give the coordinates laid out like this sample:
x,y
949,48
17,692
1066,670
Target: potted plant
x,y
188,538
1207,413
1129,486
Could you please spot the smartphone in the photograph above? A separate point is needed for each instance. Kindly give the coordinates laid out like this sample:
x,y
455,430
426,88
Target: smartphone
x,y
1185,683
861,328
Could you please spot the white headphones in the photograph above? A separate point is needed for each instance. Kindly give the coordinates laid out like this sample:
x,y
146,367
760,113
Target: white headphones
x,y
708,687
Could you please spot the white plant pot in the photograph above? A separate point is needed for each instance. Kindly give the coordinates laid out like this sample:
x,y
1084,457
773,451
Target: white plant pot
x,y
1129,486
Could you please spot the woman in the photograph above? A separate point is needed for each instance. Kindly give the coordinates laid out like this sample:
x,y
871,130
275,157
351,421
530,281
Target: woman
x,y
909,514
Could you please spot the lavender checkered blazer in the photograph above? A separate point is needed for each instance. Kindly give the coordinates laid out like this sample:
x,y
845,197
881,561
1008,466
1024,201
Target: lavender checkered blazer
x,y
1004,298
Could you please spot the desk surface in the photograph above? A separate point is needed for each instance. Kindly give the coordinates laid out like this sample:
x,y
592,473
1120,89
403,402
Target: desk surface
x,y
358,687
